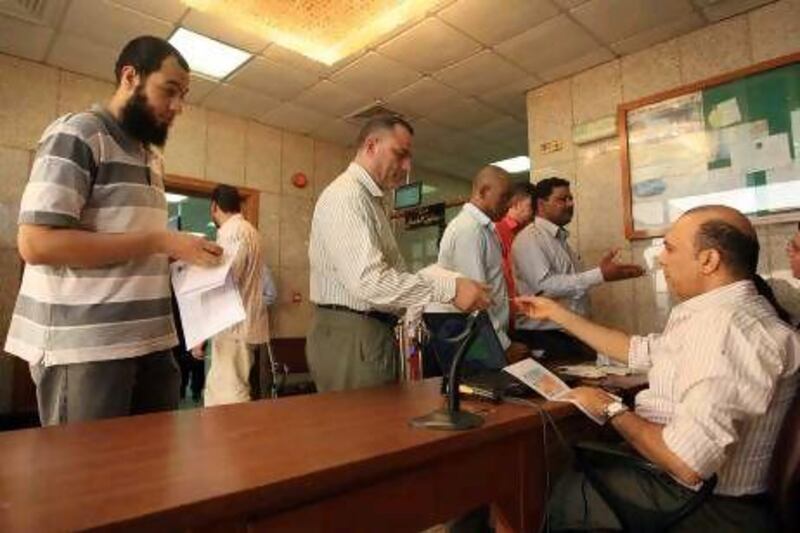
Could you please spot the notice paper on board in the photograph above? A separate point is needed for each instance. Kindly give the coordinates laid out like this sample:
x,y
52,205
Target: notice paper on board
x,y
208,300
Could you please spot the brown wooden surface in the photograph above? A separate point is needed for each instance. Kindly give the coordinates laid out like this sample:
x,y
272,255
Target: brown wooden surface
x,y
622,123
330,462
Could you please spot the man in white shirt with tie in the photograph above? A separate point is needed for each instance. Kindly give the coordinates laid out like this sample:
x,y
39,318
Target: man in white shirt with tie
x,y
721,377
359,281
544,263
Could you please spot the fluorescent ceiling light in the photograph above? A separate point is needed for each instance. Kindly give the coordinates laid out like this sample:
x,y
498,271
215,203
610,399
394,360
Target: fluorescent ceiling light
x,y
521,163
323,31
207,56
173,198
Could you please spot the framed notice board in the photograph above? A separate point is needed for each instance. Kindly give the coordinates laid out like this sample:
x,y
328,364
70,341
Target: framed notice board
x,y
732,140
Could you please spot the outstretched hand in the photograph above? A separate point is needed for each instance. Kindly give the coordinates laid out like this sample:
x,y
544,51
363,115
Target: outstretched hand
x,y
613,271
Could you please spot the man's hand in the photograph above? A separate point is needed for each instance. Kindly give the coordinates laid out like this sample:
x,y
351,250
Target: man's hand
x,y
197,352
537,307
613,271
516,352
471,295
593,399
192,249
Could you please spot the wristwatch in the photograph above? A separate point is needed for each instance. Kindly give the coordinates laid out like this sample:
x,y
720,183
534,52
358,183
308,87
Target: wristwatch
x,y
614,408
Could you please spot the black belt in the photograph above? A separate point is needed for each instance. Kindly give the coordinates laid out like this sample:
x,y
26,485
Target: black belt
x,y
386,318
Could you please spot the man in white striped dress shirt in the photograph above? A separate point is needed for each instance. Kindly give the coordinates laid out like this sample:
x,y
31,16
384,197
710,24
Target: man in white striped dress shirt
x,y
93,316
359,280
721,378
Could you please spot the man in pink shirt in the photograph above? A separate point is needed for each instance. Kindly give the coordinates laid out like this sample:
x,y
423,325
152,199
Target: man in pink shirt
x,y
520,214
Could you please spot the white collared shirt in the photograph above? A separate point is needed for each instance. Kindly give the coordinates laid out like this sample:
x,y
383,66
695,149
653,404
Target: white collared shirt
x,y
471,247
722,376
353,254
544,262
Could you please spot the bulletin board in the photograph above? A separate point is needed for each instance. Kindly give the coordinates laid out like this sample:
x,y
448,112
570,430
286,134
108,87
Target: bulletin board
x,y
731,140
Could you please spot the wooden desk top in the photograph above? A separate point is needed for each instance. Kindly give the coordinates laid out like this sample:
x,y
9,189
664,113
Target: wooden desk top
x,y
195,467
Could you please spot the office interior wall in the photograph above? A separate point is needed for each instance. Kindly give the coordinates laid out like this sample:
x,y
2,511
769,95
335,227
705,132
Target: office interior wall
x,y
595,171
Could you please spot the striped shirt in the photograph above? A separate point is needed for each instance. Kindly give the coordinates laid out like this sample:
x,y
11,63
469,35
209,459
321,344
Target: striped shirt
x,y
543,261
722,376
248,270
89,174
354,258
471,247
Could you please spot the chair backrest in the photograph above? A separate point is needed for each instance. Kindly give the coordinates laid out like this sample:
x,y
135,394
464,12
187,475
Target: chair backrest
x,y
784,475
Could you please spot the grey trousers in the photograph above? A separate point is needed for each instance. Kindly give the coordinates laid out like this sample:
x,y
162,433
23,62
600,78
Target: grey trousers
x,y
106,389
576,505
346,351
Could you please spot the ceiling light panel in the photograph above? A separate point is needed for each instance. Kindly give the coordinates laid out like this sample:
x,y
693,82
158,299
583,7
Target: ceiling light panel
x,y
323,30
208,56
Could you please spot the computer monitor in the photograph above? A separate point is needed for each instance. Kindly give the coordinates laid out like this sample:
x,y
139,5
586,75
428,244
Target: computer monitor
x,y
408,195
485,353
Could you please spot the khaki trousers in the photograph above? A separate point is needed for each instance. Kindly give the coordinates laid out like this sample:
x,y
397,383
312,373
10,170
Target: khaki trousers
x,y
346,351
228,378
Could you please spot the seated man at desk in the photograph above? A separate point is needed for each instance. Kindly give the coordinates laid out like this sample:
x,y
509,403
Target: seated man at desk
x,y
721,378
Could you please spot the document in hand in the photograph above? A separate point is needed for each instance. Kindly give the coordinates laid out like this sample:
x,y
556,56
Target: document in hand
x,y
208,299
537,377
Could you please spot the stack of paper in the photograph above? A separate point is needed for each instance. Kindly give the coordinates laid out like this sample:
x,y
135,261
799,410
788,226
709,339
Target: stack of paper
x,y
208,300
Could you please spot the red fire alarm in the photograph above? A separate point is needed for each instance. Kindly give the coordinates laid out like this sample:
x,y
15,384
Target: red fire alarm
x,y
299,180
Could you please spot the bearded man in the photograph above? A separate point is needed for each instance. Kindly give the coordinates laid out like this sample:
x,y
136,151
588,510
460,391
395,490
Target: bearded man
x,y
93,317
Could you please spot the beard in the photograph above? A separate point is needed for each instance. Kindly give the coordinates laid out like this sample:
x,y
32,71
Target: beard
x,y
139,120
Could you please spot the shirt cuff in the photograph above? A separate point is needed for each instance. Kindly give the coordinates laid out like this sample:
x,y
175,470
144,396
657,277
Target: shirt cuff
x,y
592,277
690,444
639,353
444,289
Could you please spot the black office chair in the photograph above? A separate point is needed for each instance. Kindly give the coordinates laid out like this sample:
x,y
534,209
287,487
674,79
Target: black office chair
x,y
595,459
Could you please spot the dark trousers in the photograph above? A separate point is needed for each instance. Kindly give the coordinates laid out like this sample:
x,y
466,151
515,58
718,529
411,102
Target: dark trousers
x,y
555,343
193,374
106,389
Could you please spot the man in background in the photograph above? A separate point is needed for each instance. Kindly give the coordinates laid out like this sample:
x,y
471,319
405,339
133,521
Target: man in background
x,y
544,263
471,247
233,350
93,317
359,282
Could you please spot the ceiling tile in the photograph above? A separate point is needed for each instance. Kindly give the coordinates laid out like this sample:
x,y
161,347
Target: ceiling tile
x,y
294,118
431,136
119,24
503,130
273,79
591,59
660,33
199,87
336,130
375,75
481,73
85,57
224,31
332,99
464,113
722,9
442,45
514,17
421,97
569,4
512,97
548,45
614,20
169,10
23,39
292,59
238,101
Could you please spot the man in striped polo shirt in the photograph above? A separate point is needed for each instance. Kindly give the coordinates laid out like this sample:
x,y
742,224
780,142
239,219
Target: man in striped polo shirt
x,y
93,315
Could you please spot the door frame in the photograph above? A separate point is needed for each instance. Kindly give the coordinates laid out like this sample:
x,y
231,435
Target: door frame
x,y
196,187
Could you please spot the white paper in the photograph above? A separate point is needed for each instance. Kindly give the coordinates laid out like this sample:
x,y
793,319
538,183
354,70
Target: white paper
x,y
547,384
190,278
727,113
206,313
765,153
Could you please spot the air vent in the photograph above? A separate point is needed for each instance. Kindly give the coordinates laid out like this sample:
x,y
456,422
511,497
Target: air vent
x,y
43,12
367,113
